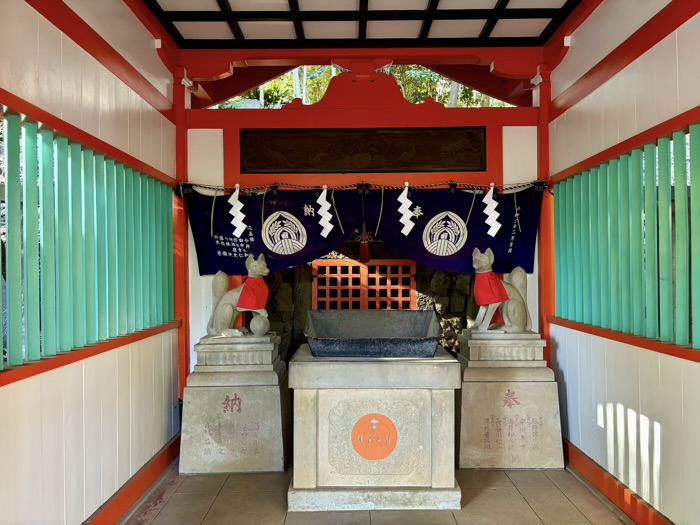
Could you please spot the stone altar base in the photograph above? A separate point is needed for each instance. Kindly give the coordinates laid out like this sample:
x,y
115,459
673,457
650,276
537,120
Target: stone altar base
x,y
236,407
373,433
510,404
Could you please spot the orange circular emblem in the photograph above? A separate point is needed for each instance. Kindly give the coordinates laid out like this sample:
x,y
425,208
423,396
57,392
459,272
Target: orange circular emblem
x,y
374,436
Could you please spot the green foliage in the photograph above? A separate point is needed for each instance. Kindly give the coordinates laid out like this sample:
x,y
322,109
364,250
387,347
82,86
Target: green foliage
x,y
416,82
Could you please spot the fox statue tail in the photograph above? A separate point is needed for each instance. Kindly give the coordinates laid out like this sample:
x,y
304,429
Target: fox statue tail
x,y
518,278
219,286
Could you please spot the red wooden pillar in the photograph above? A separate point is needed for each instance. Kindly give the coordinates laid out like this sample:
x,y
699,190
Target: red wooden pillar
x,y
182,284
546,236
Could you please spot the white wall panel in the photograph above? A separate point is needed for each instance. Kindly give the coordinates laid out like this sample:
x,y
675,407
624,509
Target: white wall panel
x,y
519,154
655,88
124,392
688,64
61,434
43,66
205,156
607,27
115,22
646,435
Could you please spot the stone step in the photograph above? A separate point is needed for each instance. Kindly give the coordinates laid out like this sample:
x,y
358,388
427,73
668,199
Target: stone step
x,y
507,364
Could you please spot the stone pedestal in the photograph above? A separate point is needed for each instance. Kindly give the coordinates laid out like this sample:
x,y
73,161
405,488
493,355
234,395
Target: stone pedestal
x,y
510,404
373,433
236,407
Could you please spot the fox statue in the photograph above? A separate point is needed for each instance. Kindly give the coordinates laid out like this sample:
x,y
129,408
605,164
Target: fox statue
x,y
492,293
251,296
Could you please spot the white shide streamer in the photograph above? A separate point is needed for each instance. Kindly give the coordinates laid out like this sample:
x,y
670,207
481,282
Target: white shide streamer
x,y
491,213
405,211
235,211
323,212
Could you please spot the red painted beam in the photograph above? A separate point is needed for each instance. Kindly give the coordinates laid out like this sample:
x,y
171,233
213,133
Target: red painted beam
x,y
613,489
243,79
654,345
670,18
19,373
212,63
76,134
67,21
481,79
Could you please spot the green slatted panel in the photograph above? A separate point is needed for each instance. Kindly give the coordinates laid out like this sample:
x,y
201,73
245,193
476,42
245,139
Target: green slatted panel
x,y
578,249
146,252
152,248
47,239
557,250
680,176
570,242
90,247
158,255
604,248
594,244
624,225
64,288
13,247
614,244
695,227
138,252
111,247
77,243
130,277
163,270
121,250
651,270
585,276
30,209
171,259
636,243
101,205
665,243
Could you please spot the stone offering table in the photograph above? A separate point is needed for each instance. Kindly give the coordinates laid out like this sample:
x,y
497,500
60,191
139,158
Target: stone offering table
x,y
236,407
510,404
373,433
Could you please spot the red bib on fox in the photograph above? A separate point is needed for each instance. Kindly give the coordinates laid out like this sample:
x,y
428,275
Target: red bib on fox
x,y
489,289
254,294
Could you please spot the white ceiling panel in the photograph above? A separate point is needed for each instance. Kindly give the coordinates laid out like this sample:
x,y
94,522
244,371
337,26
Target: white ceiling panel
x,y
330,29
188,5
204,30
380,5
393,28
329,5
467,4
456,28
267,30
531,27
531,4
259,5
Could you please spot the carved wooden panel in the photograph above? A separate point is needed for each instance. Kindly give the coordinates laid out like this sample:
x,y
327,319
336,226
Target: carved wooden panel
x,y
363,150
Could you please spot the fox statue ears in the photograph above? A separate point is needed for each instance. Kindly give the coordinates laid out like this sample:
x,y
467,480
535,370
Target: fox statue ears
x,y
488,252
251,258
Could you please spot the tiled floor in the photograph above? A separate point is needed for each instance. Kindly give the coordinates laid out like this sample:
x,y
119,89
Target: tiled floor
x,y
489,497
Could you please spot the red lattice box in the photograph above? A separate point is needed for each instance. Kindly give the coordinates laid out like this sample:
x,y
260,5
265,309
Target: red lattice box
x,y
345,284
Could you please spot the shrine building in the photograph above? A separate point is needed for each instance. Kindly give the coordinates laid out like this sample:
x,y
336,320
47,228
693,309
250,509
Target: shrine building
x,y
230,299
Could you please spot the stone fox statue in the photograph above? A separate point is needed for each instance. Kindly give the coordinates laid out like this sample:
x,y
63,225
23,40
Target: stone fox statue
x,y
491,293
251,296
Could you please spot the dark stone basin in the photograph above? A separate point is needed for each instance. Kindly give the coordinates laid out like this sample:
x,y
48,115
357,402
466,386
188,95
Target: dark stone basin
x,y
372,333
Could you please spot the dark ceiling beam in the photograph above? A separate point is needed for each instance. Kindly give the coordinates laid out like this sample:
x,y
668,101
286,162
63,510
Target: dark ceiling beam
x,y
557,20
241,81
373,43
428,21
352,16
362,20
480,79
167,24
227,12
499,11
296,18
